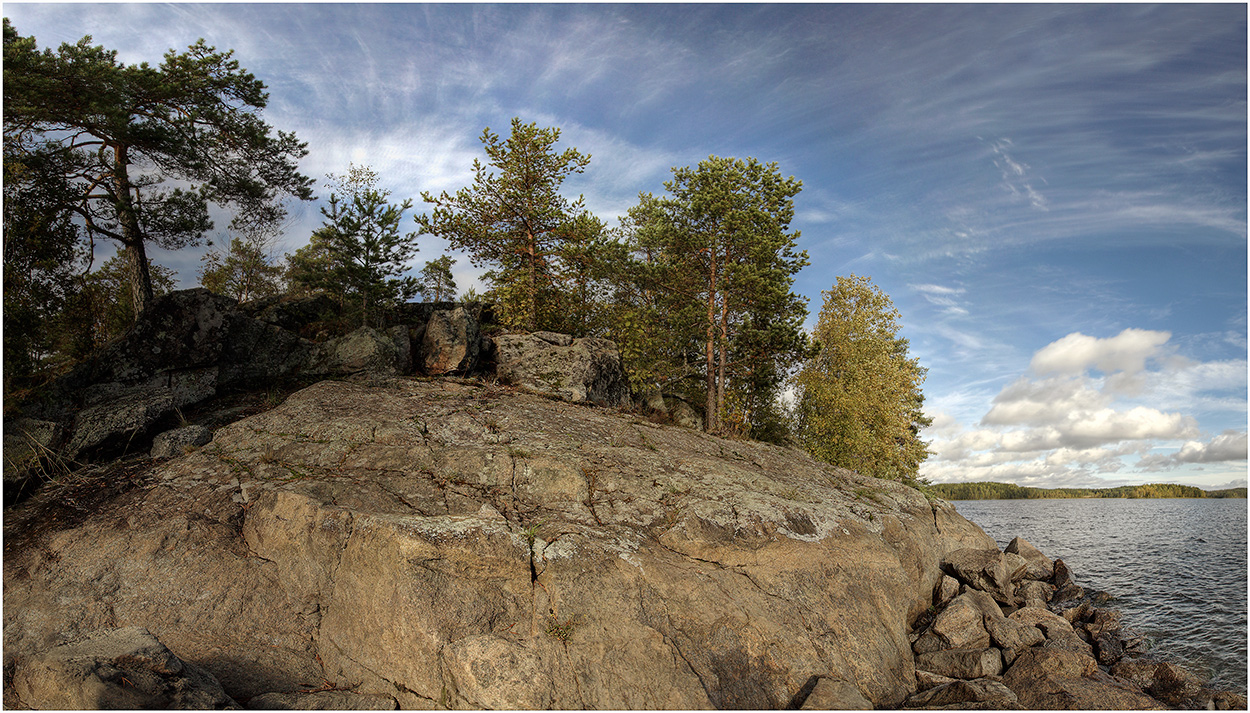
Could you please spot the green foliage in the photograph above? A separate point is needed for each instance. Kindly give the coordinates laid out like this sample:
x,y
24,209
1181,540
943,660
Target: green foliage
x,y
100,309
703,299
42,257
120,131
358,255
245,271
516,222
437,283
858,399
986,490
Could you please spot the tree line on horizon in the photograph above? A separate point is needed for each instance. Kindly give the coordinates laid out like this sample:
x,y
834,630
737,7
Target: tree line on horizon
x,y
989,490
694,285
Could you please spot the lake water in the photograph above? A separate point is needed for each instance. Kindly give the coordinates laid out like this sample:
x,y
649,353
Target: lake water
x,y
1176,567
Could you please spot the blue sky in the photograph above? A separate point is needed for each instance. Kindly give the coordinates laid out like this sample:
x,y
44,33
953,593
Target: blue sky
x,y
1054,196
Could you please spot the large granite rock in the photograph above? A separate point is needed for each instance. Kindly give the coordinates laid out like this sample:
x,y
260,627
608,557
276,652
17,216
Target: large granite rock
x,y
1057,679
124,668
982,569
439,543
451,342
576,370
1039,566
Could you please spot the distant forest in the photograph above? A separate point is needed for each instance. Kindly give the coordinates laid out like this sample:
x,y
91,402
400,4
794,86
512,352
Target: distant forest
x,y
1010,491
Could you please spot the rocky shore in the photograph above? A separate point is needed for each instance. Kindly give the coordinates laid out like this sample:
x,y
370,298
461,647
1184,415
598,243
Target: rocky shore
x,y
1013,629
434,518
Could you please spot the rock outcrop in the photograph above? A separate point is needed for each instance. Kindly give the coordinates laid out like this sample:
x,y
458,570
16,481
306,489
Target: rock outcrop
x,y
429,544
123,668
191,347
576,370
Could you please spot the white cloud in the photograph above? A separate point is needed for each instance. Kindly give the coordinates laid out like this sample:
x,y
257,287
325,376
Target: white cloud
x,y
1228,446
1075,353
1086,407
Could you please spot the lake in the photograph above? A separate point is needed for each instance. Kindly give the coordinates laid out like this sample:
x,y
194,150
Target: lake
x,y
1176,567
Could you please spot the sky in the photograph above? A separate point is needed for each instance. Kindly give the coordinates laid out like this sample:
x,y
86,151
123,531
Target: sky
x,y
1053,196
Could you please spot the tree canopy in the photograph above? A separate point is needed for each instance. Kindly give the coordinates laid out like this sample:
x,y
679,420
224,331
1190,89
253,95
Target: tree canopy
x,y
116,134
715,260
517,223
359,253
858,399
437,283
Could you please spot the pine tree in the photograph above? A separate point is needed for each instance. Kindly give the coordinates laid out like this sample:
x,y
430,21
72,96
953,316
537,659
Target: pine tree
x,y
245,271
858,400
517,223
437,283
359,254
717,259
122,130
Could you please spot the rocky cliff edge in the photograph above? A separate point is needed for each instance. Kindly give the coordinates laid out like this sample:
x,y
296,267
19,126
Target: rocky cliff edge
x,y
434,543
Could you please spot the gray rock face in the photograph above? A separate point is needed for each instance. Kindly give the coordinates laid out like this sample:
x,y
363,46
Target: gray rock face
x,y
365,349
117,668
176,442
451,343
436,542
583,370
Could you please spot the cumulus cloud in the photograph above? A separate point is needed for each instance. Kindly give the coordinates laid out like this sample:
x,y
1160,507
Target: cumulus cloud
x,y
1071,419
1074,354
1228,446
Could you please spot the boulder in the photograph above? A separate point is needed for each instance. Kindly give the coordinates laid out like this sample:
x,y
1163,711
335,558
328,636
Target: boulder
x,y
982,569
961,625
1052,625
981,693
1062,576
116,668
962,663
451,342
178,441
927,679
1032,593
1017,566
947,590
1013,636
363,350
293,314
1050,678
112,427
583,370
400,538
1104,621
835,695
682,413
1040,567
1108,648
27,441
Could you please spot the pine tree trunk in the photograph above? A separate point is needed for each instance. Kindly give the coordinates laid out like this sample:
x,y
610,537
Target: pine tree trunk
x,y
724,351
709,414
137,271
533,286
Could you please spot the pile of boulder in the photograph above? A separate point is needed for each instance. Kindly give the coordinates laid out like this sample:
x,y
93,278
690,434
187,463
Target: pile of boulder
x,y
192,347
1012,629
